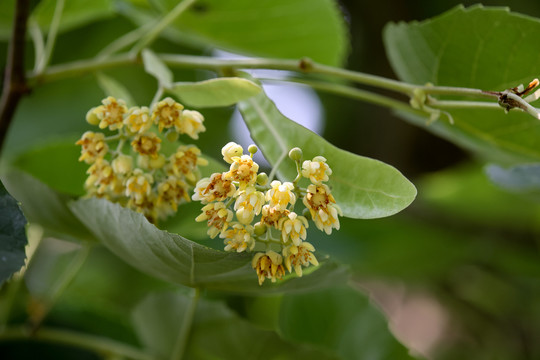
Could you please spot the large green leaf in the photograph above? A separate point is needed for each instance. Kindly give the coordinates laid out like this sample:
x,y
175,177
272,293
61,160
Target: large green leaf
x,y
158,320
174,258
45,206
12,235
476,47
278,28
215,92
342,320
363,187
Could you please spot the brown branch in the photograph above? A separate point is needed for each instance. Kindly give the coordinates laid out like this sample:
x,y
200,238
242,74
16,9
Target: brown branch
x,y
14,79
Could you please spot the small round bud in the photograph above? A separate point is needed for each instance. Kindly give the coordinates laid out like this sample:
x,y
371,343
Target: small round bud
x,y
172,136
259,229
307,214
262,179
253,149
158,162
91,117
295,154
123,164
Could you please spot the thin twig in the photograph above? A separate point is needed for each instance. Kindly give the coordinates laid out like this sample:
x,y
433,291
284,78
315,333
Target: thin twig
x,y
14,79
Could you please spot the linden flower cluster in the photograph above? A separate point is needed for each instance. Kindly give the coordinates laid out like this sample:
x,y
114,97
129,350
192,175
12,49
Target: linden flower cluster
x,y
253,216
136,173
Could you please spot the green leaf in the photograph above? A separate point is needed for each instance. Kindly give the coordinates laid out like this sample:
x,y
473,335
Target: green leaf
x,y
113,88
174,258
12,235
520,178
477,47
364,188
278,28
158,319
342,320
155,67
44,206
215,92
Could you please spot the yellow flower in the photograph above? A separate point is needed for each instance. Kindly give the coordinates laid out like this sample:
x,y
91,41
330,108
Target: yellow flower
x,y
231,150
248,204
93,147
323,207
293,227
214,188
316,170
185,162
281,195
167,113
238,238
244,170
191,123
139,186
218,217
147,144
102,179
170,193
138,120
148,162
146,205
300,255
110,114
123,164
268,265
271,216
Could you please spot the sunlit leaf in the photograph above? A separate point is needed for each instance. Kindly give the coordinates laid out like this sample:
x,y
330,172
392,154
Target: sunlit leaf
x,y
215,92
176,259
278,28
44,206
363,187
477,47
155,67
341,320
12,235
158,320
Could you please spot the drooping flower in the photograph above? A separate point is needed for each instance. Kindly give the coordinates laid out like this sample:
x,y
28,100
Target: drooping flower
x,y
281,195
323,207
300,255
147,144
110,114
231,150
138,120
191,123
139,185
268,265
244,170
171,192
167,114
248,204
184,162
238,237
93,147
215,188
218,218
293,227
271,216
316,170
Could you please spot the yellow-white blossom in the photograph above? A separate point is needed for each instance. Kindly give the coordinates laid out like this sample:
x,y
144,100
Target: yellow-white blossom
x,y
110,114
271,216
191,123
185,162
167,114
293,227
138,120
147,144
244,170
171,192
123,164
231,150
299,255
218,218
268,265
139,185
214,188
316,170
280,195
93,147
323,208
248,204
238,237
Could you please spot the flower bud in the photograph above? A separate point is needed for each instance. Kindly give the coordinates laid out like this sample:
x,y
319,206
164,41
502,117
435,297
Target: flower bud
x,y
172,136
91,117
295,154
253,149
259,229
262,179
231,150
123,164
